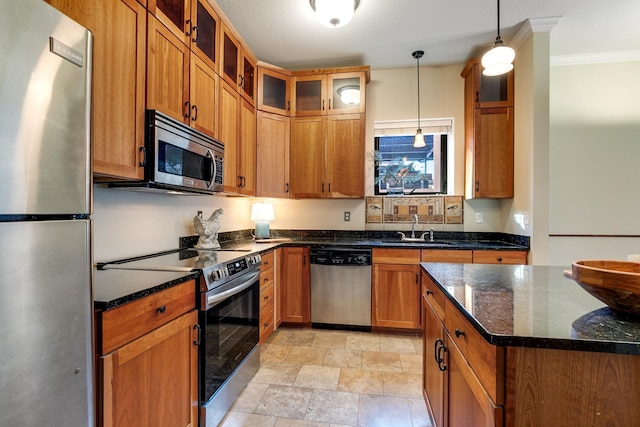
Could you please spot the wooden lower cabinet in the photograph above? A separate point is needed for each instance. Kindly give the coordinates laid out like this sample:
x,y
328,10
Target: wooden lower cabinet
x,y
296,286
267,296
147,366
395,288
499,257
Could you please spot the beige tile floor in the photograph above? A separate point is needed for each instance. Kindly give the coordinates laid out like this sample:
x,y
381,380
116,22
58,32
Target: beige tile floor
x,y
314,377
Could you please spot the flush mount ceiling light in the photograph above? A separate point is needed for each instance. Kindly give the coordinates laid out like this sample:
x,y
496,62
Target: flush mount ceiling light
x,y
418,140
334,13
349,95
499,59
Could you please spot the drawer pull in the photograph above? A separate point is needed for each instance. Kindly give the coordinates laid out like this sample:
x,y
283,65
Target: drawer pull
x,y
266,324
266,279
429,292
499,259
161,309
458,333
197,341
266,297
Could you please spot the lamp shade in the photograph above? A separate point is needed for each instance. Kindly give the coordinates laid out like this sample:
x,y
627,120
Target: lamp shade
x,y
418,140
334,13
262,212
349,95
498,60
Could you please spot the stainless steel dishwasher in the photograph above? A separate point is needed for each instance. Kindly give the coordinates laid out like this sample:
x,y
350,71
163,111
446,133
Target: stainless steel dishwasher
x,y
341,288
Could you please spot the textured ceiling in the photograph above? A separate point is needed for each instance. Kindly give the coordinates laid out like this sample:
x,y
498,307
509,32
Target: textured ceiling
x,y
383,33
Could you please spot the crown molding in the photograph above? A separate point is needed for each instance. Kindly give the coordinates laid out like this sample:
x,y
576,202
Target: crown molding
x,y
595,58
533,25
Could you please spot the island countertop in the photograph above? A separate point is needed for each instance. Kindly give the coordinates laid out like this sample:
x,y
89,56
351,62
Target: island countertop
x,y
534,306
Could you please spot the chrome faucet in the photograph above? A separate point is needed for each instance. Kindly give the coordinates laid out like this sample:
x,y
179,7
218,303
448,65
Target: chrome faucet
x,y
413,224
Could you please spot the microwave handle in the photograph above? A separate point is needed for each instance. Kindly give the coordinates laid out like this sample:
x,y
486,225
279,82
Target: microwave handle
x,y
213,169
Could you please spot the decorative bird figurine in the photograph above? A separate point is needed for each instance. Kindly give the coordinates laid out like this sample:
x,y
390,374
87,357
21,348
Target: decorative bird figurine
x,y
207,229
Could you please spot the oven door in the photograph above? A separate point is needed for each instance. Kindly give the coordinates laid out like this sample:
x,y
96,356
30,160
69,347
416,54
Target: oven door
x,y
230,332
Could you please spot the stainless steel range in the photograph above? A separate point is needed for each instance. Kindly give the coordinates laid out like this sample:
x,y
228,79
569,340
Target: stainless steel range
x,y
229,316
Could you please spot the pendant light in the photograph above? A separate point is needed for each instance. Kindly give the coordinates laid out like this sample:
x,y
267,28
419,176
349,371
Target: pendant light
x,y
499,59
418,140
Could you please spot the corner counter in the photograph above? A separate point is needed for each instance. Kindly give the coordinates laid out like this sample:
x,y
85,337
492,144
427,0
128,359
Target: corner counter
x,y
519,345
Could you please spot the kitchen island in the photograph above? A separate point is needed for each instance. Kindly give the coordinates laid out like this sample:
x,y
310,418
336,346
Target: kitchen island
x,y
519,345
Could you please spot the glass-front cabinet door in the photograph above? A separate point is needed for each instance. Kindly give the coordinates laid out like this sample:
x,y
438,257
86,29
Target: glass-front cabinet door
x,y
175,15
230,54
205,33
309,95
248,77
274,92
347,94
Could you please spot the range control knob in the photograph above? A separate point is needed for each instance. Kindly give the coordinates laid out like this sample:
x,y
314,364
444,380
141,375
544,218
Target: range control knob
x,y
254,259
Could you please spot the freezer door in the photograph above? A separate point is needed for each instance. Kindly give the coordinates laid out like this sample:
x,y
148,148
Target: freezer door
x,y
46,373
45,63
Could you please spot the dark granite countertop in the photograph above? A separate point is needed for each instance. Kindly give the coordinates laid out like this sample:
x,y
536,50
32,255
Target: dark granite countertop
x,y
534,306
112,288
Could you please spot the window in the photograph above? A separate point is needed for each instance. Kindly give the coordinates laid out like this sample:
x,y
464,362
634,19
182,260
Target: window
x,y
400,168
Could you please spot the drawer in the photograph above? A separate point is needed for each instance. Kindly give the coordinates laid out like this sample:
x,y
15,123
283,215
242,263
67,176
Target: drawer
x,y
266,321
434,295
266,277
395,256
267,261
486,360
447,255
134,319
266,295
499,257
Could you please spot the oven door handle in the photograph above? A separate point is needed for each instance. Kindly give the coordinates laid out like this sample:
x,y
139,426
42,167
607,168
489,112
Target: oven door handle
x,y
216,298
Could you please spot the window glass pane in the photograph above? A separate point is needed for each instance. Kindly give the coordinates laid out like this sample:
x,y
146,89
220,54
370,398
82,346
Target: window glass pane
x,y
402,169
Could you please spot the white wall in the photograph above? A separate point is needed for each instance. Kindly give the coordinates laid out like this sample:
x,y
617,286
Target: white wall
x,y
594,194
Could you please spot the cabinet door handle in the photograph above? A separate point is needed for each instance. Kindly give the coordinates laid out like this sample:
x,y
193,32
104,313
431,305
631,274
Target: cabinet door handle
x,y
329,103
435,350
304,259
194,108
288,105
161,309
323,187
329,188
194,30
477,96
187,109
199,331
143,150
188,29
323,105
459,333
286,187
417,278
265,298
477,186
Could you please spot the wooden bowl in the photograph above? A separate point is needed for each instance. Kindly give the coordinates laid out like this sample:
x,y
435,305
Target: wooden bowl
x,y
615,283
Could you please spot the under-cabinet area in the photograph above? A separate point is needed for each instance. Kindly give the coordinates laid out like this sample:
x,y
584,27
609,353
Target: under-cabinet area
x,y
514,345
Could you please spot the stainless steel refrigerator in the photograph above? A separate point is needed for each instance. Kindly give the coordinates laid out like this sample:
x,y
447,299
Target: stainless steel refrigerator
x,y
46,374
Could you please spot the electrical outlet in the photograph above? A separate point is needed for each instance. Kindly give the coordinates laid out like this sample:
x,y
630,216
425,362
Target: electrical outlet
x,y
479,217
525,218
347,216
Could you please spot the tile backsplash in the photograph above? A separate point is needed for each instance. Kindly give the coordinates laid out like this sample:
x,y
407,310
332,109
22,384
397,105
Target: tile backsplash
x,y
437,209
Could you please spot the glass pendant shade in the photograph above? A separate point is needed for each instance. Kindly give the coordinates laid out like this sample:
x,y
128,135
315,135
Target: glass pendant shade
x,y
349,95
334,13
418,140
498,60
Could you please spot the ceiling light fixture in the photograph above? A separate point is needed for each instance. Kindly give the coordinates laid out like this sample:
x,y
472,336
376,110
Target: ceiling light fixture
x,y
499,59
334,13
418,140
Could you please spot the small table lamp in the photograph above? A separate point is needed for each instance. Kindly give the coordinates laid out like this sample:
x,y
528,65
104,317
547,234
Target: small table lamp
x,y
261,214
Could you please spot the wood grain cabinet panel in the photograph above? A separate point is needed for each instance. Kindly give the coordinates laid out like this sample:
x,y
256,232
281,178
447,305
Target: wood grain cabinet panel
x,y
272,174
119,29
296,290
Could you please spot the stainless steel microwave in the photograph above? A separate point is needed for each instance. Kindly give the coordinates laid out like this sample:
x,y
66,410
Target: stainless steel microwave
x,y
178,159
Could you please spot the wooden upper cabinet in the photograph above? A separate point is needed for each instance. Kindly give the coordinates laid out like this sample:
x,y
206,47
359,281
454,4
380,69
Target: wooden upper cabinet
x,y
272,155
168,72
345,156
274,91
230,134
489,134
309,95
488,91
205,34
203,96
346,93
328,93
119,78
175,15
308,157
238,65
247,164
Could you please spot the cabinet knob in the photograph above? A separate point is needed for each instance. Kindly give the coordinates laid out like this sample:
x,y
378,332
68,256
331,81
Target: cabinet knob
x,y
499,259
161,309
